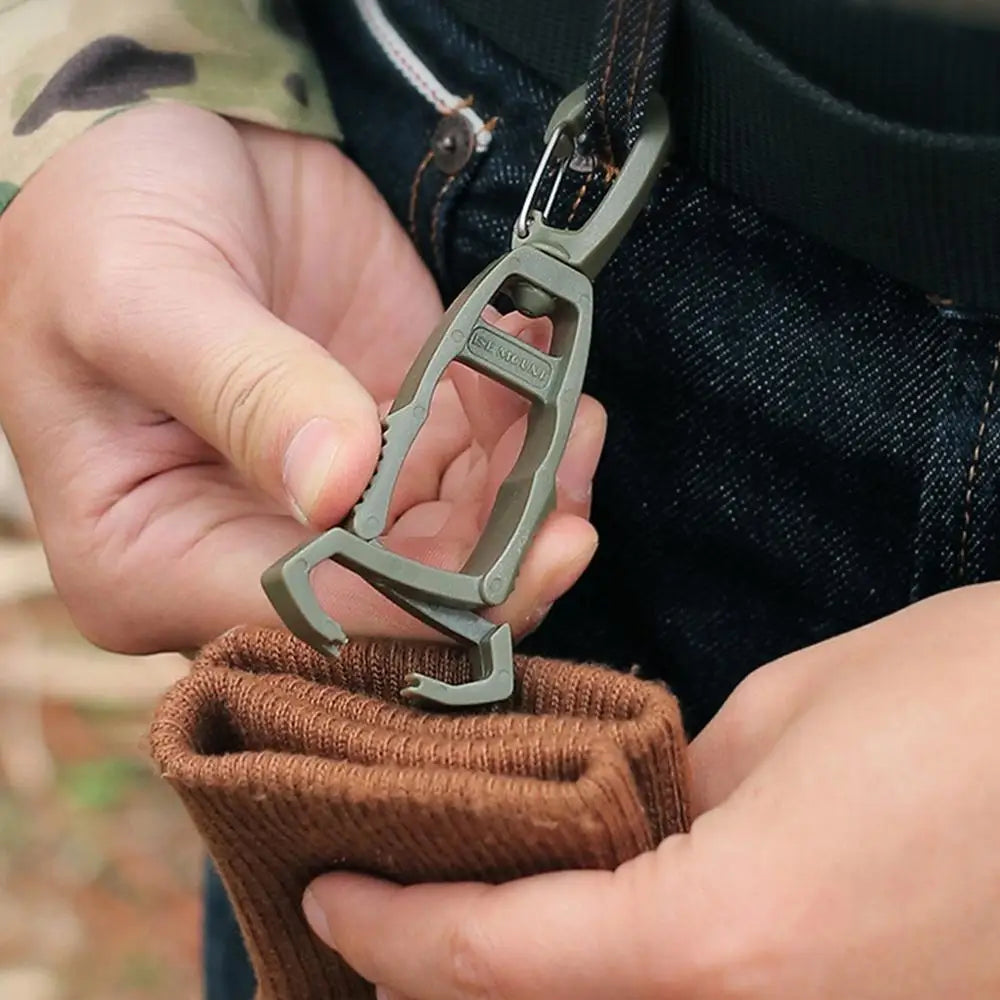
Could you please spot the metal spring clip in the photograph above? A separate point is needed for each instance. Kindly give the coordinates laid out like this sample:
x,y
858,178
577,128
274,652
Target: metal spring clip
x,y
548,272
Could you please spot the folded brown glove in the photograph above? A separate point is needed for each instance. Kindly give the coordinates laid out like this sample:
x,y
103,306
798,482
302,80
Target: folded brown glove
x,y
292,764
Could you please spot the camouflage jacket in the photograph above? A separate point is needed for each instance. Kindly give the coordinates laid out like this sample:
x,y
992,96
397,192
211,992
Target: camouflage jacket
x,y
67,64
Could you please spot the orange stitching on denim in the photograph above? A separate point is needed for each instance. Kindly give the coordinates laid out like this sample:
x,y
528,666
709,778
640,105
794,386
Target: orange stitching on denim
x,y
974,465
641,57
603,96
580,195
436,222
437,208
415,189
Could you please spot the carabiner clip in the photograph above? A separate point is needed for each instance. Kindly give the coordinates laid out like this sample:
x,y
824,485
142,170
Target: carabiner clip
x,y
547,272
590,247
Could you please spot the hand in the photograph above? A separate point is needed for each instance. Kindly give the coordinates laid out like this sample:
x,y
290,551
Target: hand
x,y
846,849
200,323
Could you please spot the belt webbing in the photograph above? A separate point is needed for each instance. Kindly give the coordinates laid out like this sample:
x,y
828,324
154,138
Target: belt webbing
x,y
916,200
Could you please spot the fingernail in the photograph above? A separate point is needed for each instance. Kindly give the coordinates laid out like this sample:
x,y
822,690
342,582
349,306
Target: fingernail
x,y
308,462
315,917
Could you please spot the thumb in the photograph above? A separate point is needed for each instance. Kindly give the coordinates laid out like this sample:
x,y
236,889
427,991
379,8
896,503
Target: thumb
x,y
290,418
754,718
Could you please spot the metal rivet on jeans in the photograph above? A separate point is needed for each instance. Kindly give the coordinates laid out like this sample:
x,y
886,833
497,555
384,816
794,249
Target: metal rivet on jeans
x,y
453,143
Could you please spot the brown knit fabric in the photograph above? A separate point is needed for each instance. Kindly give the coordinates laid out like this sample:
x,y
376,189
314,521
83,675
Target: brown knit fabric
x,y
292,764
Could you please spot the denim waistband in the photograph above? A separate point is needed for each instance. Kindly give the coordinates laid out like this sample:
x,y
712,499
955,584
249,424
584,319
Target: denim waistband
x,y
879,134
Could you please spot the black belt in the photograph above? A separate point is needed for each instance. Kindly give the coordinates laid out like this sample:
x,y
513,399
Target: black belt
x,y
920,204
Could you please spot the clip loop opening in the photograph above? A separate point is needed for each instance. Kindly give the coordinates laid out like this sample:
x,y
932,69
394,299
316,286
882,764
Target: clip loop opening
x,y
561,137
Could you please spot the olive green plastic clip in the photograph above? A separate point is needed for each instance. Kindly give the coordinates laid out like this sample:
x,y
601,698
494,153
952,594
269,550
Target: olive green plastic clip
x,y
548,272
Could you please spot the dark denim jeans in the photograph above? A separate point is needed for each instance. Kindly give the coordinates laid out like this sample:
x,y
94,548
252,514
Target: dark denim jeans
x,y
797,445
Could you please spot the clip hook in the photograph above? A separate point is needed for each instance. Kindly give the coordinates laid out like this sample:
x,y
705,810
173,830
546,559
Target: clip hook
x,y
547,272
561,134
589,247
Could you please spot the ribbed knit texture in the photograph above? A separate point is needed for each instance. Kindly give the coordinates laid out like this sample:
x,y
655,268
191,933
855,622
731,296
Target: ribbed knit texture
x,y
292,764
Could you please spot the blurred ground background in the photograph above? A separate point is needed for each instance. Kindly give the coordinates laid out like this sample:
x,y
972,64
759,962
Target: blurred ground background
x,y
99,866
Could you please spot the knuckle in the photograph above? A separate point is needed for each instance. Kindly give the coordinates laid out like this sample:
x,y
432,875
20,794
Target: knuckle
x,y
97,616
733,938
24,304
110,634
242,400
746,956
745,710
110,294
757,699
471,965
746,925
102,604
